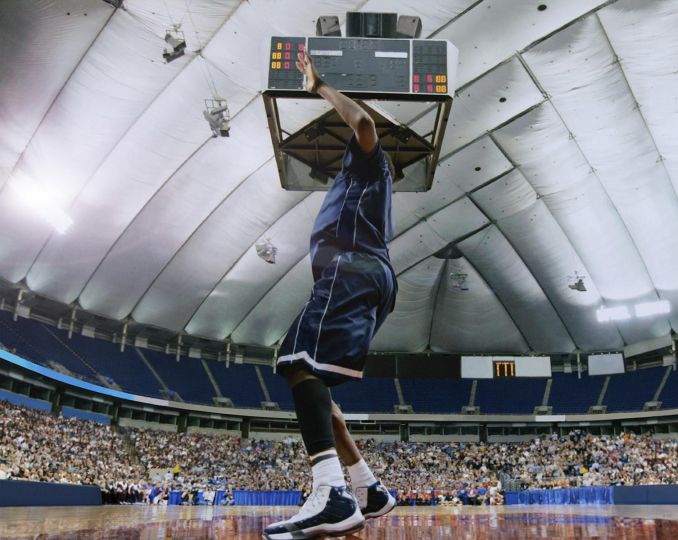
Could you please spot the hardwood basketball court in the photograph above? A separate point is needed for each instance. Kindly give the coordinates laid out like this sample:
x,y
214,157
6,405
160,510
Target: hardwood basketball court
x,y
422,523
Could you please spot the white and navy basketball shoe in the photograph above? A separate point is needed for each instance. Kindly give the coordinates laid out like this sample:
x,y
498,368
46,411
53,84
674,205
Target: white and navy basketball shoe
x,y
375,500
328,511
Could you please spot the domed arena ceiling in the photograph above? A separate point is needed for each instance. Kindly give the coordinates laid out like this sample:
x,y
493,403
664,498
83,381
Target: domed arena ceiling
x,y
555,194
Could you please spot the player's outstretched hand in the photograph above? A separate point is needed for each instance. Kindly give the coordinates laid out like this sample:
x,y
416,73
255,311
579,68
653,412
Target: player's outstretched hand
x,y
305,66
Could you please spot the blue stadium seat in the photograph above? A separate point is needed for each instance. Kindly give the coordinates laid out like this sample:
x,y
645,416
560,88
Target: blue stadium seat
x,y
630,391
187,377
240,383
569,394
510,396
436,395
277,389
41,343
371,394
669,395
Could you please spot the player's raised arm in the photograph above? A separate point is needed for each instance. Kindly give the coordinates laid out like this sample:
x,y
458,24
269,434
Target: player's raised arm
x,y
354,115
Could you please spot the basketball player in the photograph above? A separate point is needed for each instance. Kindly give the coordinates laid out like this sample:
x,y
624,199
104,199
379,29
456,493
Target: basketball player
x,y
354,291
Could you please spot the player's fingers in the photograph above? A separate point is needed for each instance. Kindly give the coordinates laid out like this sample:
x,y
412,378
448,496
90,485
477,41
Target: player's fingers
x,y
300,66
308,56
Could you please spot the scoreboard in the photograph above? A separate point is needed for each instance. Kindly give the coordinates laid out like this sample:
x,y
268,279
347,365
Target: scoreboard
x,y
366,65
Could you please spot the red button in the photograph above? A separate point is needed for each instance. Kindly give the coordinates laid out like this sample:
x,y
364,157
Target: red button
x,y
429,88
288,46
287,56
416,87
429,78
300,46
415,77
286,65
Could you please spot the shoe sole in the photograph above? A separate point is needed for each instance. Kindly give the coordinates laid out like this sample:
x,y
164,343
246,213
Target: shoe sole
x,y
385,510
301,535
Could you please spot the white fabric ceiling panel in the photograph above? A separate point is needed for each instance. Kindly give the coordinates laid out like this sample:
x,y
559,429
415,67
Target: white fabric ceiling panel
x,y
130,176
213,248
473,319
267,323
602,114
174,212
454,177
644,38
408,327
552,163
42,42
505,272
434,233
541,243
249,279
494,29
114,83
477,108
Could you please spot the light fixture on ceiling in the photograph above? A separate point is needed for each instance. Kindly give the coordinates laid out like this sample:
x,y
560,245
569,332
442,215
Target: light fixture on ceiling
x,y
617,313
577,282
266,250
647,309
174,37
41,201
218,116
458,281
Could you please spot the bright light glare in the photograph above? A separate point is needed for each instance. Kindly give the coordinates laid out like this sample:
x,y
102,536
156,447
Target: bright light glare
x,y
619,313
41,202
647,309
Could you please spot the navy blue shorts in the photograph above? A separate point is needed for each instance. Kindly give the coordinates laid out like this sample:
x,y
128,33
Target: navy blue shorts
x,y
332,334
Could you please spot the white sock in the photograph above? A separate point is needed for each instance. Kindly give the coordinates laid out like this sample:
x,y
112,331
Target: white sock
x,y
361,475
327,470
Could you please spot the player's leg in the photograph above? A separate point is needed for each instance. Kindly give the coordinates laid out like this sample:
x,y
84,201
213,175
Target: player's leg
x,y
373,497
330,509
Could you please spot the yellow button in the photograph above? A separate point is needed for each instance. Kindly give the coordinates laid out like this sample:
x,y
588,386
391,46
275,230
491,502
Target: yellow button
x,y
443,78
272,65
279,45
273,55
443,88
277,65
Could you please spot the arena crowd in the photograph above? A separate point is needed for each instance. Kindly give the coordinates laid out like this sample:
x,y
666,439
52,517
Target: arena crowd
x,y
35,445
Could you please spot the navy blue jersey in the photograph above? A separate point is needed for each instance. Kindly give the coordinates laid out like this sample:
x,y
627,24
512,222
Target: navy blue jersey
x,y
356,213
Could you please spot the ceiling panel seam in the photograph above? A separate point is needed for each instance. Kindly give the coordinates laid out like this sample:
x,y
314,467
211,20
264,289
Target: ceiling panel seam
x,y
56,97
638,107
438,285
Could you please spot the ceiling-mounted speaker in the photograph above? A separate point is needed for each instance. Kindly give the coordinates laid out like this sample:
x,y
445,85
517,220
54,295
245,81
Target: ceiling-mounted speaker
x,y
409,26
327,26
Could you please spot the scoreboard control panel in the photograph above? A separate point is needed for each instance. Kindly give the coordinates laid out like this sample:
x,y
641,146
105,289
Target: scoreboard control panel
x,y
367,65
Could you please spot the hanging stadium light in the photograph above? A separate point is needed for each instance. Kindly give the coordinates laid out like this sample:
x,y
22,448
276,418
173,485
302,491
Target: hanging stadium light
x,y
266,250
218,116
618,313
647,309
174,37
